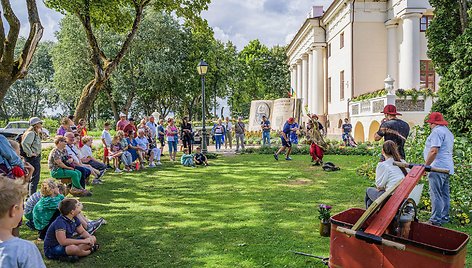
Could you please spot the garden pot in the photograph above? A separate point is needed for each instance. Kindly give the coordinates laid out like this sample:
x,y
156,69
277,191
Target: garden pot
x,y
325,228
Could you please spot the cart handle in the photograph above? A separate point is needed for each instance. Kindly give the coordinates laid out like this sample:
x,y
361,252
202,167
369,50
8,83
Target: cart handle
x,y
370,238
427,168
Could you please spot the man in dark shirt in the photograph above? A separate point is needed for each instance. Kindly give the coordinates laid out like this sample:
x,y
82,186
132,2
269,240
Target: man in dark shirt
x,y
130,127
347,128
393,129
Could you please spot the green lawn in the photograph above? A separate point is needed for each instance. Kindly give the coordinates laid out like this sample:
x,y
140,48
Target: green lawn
x,y
242,211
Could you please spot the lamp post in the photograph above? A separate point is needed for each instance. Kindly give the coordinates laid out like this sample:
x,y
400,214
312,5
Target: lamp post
x,y
202,69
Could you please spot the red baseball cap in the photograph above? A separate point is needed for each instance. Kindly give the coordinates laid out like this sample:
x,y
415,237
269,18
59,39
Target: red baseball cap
x,y
437,118
390,109
291,119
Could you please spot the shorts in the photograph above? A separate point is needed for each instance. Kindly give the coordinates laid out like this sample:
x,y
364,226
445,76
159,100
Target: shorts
x,y
55,252
286,143
161,140
106,152
172,146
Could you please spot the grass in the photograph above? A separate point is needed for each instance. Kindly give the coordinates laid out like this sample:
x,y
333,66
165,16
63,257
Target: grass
x,y
242,211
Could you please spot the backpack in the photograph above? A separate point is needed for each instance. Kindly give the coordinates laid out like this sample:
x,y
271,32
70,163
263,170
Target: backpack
x,y
19,139
328,166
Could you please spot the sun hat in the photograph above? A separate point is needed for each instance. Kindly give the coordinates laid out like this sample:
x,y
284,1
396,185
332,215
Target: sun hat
x,y
122,114
390,109
34,120
437,118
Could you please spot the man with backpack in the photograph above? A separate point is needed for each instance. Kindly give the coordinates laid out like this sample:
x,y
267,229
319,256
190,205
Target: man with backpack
x,y
31,150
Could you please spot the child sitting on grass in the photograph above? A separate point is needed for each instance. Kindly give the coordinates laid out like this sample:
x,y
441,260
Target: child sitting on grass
x,y
45,211
187,159
59,243
90,226
199,158
14,252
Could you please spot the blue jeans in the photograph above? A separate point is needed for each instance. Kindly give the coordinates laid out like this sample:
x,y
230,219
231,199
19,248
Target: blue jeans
x,y
440,200
218,141
55,252
266,138
172,146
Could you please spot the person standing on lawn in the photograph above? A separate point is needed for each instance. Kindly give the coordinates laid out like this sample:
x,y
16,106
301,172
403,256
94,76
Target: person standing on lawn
x,y
285,137
228,134
186,133
393,129
347,128
265,126
318,145
239,130
31,145
438,153
106,140
161,133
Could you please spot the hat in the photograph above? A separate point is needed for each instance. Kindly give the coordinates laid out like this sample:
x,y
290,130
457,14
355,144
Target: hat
x,y
291,119
122,114
437,118
34,120
131,119
390,109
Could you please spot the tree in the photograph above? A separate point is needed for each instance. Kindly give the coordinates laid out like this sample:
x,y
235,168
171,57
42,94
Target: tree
x,y
116,15
449,42
31,96
13,68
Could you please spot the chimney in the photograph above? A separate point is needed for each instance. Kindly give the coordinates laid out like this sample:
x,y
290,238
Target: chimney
x,y
316,11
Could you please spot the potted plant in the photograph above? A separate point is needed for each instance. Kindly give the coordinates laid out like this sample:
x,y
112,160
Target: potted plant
x,y
324,215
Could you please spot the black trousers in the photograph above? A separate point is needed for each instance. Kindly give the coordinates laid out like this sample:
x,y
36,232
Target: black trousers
x,y
85,174
187,143
36,163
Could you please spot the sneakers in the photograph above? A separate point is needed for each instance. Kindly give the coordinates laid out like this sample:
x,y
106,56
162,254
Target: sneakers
x,y
101,174
159,163
93,226
288,158
151,165
96,181
276,157
117,170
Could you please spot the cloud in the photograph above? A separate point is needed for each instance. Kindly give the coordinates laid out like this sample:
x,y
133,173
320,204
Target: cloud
x,y
273,22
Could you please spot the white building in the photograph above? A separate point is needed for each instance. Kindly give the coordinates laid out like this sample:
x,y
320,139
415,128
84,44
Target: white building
x,y
350,49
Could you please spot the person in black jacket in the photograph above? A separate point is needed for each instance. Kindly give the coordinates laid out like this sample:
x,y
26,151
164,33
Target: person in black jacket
x,y
187,134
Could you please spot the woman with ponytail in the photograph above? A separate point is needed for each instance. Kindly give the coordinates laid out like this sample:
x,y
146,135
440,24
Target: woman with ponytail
x,y
386,174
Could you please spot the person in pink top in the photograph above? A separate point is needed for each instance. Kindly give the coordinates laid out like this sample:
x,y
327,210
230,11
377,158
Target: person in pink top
x,y
122,123
172,138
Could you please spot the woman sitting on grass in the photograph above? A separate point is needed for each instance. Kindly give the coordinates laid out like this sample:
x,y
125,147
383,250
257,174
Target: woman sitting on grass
x,y
386,174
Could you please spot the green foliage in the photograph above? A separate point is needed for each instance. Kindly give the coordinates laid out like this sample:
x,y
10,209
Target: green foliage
x,y
335,148
35,93
370,95
449,48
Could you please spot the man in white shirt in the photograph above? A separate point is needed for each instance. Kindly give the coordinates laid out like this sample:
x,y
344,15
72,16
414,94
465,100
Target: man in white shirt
x,y
76,155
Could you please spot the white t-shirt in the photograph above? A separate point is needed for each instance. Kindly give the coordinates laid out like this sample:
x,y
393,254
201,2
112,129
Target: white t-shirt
x,y
74,152
86,151
106,135
387,175
142,142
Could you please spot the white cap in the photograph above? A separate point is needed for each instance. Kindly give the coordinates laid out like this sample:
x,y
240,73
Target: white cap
x,y
122,114
34,120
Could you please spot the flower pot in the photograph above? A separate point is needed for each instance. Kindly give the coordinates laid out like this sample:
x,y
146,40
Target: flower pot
x,y
325,228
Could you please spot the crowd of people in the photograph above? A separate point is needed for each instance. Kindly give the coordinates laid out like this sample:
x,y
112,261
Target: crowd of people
x,y
68,234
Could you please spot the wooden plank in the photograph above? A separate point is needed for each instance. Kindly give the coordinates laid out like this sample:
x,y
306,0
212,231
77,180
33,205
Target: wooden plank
x,y
383,219
374,206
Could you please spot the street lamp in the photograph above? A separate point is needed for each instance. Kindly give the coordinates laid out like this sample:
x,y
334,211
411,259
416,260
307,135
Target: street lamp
x,y
202,69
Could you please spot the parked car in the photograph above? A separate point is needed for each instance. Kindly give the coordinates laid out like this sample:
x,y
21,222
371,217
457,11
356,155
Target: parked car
x,y
15,128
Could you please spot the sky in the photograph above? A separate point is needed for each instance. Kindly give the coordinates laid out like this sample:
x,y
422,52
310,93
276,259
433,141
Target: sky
x,y
273,22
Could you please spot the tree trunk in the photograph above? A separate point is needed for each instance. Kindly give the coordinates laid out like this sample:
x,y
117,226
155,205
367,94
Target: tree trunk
x,y
5,83
464,16
89,94
108,91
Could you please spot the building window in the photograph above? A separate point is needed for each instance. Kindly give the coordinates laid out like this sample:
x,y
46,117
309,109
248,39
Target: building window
x,y
424,23
341,40
329,89
329,50
427,75
341,85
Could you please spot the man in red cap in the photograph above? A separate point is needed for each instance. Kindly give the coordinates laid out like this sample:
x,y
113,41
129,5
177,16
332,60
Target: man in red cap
x,y
286,144
438,153
393,129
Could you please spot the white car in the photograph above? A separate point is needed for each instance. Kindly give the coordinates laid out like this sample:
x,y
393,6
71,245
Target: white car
x,y
15,128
